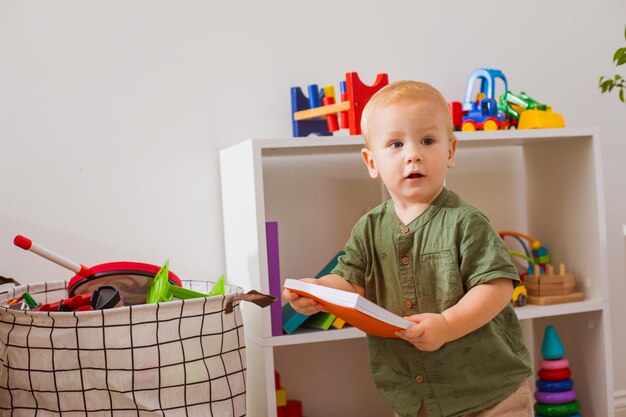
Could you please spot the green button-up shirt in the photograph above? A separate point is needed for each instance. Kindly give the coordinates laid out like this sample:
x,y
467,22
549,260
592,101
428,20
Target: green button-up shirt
x,y
426,267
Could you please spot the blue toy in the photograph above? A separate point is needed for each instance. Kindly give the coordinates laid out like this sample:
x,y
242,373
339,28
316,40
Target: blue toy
x,y
483,113
300,102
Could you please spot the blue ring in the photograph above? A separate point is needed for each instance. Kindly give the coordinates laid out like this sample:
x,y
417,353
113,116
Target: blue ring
x,y
555,386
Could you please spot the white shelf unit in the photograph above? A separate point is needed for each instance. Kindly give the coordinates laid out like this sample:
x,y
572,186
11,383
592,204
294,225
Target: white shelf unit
x,y
543,183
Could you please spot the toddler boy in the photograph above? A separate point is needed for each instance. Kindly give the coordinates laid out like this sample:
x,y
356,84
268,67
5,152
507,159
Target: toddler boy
x,y
427,255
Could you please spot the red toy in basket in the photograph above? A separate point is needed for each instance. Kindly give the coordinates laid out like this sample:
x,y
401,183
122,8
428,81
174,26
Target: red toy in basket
x,y
131,279
100,299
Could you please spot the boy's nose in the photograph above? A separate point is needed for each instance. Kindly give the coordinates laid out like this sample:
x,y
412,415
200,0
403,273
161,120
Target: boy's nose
x,y
412,155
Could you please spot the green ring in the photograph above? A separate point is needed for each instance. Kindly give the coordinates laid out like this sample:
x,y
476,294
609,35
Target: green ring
x,y
557,410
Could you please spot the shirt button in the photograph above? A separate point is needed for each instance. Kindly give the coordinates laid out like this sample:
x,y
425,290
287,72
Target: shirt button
x,y
408,304
405,261
404,229
419,378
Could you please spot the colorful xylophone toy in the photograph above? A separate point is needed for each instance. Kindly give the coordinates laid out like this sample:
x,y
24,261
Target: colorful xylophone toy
x,y
318,113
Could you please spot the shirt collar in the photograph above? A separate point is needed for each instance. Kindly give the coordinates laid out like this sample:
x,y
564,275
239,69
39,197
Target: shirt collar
x,y
423,218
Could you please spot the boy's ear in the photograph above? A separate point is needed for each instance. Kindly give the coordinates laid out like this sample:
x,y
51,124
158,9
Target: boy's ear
x,y
451,151
368,158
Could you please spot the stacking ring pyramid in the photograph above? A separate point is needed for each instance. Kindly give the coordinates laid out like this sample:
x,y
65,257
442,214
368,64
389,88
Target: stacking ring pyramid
x,y
555,396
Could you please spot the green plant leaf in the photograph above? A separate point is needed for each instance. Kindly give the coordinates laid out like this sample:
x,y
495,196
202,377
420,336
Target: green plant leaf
x,y
607,85
617,82
619,54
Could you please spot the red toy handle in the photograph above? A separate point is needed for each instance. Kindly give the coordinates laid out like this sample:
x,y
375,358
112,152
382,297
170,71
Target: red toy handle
x,y
22,242
27,244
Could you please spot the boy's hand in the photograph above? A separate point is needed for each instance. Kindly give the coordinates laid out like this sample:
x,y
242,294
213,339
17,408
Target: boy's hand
x,y
429,333
303,305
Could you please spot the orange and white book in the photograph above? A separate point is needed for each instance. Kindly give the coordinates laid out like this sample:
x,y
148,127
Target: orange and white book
x,y
353,308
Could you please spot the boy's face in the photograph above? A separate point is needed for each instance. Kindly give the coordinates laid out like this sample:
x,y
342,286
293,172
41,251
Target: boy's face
x,y
410,149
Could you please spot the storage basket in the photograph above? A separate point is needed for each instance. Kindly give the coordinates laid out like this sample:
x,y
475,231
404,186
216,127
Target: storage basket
x,y
180,358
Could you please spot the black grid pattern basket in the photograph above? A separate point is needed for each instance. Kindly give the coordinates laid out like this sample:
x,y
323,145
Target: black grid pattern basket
x,y
181,358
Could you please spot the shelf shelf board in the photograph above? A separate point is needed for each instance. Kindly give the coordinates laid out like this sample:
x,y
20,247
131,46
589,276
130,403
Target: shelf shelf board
x,y
315,145
531,311
314,336
520,137
527,312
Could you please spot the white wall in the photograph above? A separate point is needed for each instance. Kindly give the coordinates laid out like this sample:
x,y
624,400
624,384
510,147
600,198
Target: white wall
x,y
112,112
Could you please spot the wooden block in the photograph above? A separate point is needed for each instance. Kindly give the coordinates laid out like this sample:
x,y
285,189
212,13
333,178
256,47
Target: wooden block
x,y
338,323
534,293
281,397
550,285
531,279
293,408
292,319
332,121
276,380
273,273
568,285
343,116
565,284
556,299
304,128
321,321
359,94
531,283
549,279
547,290
555,291
314,96
557,279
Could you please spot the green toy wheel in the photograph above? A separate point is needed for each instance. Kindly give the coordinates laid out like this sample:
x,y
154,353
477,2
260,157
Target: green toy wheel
x,y
557,410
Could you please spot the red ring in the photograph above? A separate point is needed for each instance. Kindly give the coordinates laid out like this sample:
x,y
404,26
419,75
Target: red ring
x,y
554,374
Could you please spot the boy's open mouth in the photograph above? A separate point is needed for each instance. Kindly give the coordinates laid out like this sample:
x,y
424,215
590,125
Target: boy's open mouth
x,y
414,175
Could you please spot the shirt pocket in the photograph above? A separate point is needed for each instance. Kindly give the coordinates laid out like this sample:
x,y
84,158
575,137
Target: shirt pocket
x,y
439,281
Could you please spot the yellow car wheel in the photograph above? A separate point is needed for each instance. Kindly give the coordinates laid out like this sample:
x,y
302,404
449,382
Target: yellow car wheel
x,y
490,125
468,127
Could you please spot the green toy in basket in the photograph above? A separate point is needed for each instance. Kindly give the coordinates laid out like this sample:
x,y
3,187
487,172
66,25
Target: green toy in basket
x,y
161,290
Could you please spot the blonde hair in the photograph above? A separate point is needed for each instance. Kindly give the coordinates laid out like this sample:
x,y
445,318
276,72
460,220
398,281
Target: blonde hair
x,y
400,90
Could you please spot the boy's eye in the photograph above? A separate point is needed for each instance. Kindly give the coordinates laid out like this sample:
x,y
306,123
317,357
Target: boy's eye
x,y
428,141
395,144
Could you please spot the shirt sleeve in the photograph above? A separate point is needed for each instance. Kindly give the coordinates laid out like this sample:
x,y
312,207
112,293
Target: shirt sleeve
x,y
352,265
483,255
